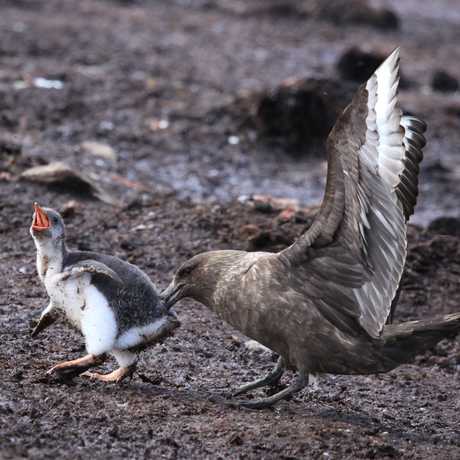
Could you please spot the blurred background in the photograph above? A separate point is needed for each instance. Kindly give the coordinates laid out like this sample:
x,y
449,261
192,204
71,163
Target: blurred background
x,y
216,99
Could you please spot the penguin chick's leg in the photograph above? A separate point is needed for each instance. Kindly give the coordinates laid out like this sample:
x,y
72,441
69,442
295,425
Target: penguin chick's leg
x,y
127,362
298,384
271,379
80,363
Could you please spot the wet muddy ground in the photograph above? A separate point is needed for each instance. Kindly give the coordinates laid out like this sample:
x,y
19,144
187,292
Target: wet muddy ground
x,y
157,81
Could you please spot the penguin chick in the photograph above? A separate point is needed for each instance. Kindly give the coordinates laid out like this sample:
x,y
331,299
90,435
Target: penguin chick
x,y
113,303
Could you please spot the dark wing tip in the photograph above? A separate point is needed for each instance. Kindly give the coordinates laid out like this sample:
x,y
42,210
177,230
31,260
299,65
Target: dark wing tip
x,y
414,142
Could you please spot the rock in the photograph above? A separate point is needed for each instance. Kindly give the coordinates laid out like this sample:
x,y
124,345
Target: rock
x,y
129,183
46,83
69,208
357,65
259,8
436,169
249,231
269,204
156,124
5,176
253,345
444,82
99,149
236,440
64,176
302,112
353,12
270,239
26,269
445,226
286,215
10,145
453,110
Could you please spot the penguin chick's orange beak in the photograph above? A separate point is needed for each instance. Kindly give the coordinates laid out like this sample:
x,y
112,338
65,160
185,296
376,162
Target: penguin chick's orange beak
x,y
41,221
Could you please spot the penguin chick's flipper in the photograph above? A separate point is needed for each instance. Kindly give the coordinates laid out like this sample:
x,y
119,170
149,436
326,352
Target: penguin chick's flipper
x,y
48,317
46,320
92,267
79,364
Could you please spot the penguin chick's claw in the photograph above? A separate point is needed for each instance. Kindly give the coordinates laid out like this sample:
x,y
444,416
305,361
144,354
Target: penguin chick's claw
x,y
114,377
81,363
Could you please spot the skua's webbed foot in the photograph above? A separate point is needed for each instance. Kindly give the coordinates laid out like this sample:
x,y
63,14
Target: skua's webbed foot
x,y
298,384
271,379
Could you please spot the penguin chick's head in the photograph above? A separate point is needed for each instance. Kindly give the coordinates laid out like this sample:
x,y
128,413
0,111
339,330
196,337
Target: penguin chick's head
x,y
47,224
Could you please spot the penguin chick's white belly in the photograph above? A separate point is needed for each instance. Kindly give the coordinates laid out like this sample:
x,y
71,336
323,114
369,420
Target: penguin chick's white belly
x,y
140,334
68,295
86,308
98,323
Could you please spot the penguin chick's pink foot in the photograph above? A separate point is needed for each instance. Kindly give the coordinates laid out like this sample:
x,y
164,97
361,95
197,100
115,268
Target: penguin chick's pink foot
x,y
114,377
84,362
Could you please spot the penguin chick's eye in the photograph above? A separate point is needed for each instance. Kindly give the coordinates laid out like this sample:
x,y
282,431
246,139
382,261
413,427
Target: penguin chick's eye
x,y
54,219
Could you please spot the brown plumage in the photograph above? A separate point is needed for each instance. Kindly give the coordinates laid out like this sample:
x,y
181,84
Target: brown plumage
x,y
322,303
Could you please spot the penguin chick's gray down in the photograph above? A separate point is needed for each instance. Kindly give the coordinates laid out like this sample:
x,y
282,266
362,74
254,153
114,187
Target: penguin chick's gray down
x,y
323,302
113,303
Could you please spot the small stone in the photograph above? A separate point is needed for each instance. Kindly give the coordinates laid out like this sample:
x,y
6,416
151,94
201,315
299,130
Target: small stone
x,y
141,227
44,83
286,215
5,176
69,208
253,345
20,84
158,125
99,149
106,125
26,269
267,203
233,140
235,340
236,440
249,231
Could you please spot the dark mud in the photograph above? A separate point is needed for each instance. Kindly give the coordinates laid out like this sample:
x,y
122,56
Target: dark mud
x,y
126,66
166,409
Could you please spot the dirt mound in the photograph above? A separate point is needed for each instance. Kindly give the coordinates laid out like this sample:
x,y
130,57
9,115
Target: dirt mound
x,y
354,12
298,114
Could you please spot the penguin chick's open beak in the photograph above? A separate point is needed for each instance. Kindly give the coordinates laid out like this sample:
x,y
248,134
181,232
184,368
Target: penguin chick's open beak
x,y
40,221
171,295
